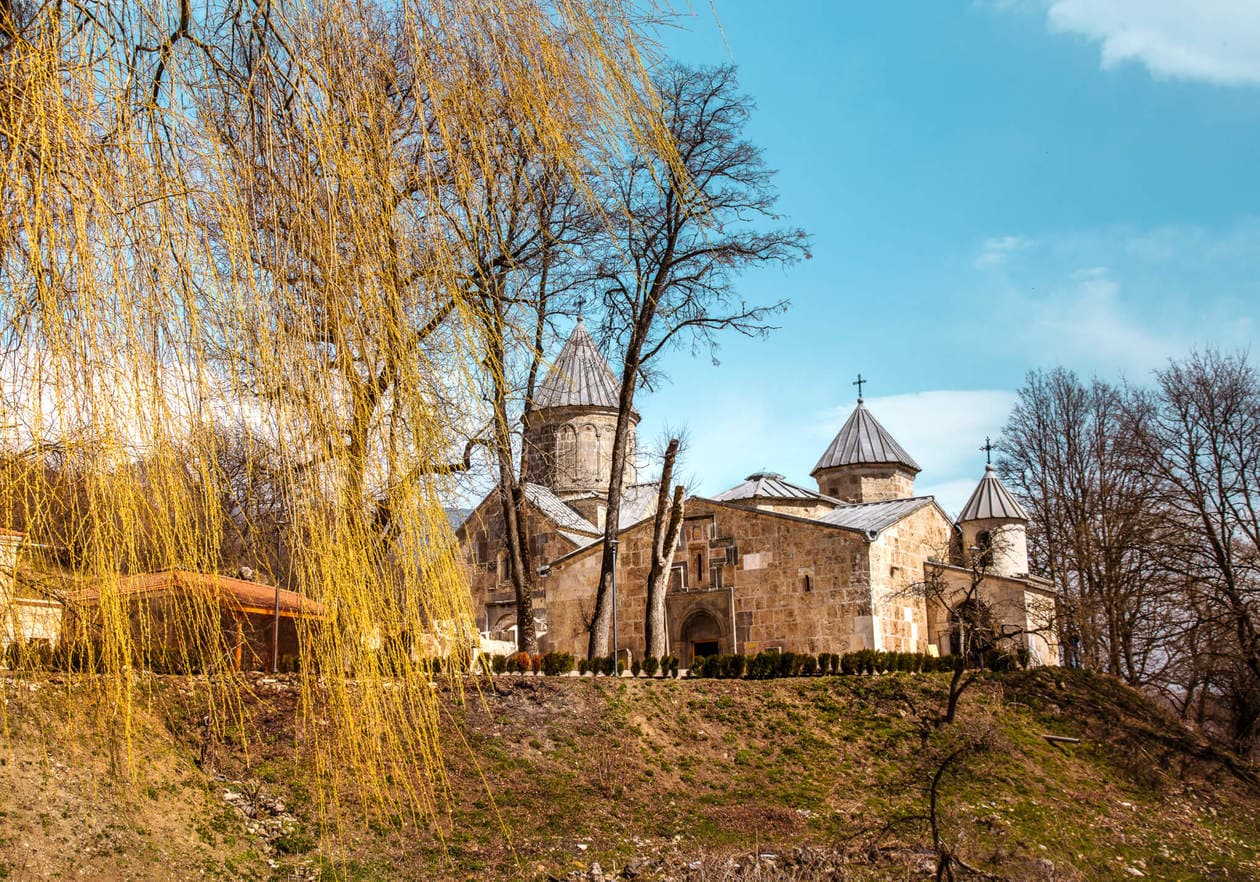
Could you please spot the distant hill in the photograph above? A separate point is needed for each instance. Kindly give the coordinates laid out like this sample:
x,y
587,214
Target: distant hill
x,y
803,779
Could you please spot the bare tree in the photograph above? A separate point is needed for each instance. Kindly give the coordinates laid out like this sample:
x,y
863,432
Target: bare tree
x,y
1092,526
666,530
683,227
1198,437
978,622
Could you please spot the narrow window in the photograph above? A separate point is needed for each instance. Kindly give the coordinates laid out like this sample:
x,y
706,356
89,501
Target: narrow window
x,y
566,454
984,543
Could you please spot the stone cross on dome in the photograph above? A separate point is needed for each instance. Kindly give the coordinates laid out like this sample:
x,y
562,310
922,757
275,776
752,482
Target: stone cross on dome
x,y
859,382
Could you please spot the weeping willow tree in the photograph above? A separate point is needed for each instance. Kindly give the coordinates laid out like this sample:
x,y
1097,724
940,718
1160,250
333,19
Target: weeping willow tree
x,y
270,220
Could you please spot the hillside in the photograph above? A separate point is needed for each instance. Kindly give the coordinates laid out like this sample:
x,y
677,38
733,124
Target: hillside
x,y
808,778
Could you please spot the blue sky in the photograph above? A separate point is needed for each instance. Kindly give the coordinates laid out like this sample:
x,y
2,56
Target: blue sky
x,y
991,187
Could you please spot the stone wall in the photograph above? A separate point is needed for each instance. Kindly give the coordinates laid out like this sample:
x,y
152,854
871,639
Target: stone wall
x,y
767,580
482,542
569,449
1006,545
1024,607
32,619
801,508
897,572
875,483
9,544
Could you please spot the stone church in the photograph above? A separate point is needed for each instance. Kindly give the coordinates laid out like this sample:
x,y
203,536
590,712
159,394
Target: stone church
x,y
765,564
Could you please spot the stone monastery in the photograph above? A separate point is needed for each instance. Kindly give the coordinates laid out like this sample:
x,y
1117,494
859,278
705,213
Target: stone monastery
x,y
766,564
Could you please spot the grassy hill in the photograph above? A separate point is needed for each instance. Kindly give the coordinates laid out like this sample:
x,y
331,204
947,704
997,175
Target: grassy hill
x,y
813,778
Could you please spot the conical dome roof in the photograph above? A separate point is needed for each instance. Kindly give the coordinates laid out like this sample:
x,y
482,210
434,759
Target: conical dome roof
x,y
770,485
580,376
992,500
863,441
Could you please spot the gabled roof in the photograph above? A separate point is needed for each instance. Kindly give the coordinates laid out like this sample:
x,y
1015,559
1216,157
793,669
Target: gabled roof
x,y
771,485
992,500
554,508
580,376
863,441
874,516
250,597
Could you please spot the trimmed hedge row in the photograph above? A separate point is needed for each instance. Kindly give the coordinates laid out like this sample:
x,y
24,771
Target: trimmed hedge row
x,y
554,664
772,664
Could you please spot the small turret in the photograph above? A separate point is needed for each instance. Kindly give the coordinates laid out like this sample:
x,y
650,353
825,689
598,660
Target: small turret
x,y
994,526
864,463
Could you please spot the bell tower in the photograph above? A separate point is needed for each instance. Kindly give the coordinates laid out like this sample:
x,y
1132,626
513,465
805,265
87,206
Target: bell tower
x,y
864,463
569,431
994,527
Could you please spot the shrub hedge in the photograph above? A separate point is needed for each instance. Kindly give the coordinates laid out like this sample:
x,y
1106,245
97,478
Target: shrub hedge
x,y
765,665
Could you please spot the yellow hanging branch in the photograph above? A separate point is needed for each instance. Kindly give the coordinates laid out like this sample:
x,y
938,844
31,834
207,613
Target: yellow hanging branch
x,y
234,242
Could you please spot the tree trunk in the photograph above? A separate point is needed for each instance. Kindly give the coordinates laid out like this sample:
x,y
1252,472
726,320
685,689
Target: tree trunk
x,y
601,621
511,500
666,530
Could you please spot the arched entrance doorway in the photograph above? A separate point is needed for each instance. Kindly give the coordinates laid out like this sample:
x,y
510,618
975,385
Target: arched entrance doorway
x,y
701,636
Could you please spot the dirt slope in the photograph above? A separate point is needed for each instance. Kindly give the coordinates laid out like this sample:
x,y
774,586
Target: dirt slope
x,y
804,779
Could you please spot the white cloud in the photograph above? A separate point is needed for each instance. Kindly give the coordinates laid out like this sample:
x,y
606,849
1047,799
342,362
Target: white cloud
x,y
1086,320
1216,41
995,251
1124,299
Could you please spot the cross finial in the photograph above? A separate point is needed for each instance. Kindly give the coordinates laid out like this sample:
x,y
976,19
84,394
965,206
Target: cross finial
x,y
988,451
581,301
859,382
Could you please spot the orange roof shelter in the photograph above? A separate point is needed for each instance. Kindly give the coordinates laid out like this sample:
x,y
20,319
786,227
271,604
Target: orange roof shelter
x,y
249,613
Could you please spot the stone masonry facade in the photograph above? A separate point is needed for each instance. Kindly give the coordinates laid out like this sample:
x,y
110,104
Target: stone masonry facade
x,y
765,565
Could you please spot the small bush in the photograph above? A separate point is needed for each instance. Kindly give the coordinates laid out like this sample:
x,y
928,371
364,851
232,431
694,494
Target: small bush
x,y
650,665
556,663
669,666
499,663
809,666
621,667
698,667
636,667
764,665
583,667
1000,660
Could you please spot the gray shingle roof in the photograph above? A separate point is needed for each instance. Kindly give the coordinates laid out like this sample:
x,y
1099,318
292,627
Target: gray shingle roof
x,y
770,485
638,501
992,500
553,507
874,516
863,441
580,376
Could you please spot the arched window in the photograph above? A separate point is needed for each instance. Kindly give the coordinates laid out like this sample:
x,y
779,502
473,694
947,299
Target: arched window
x,y
566,454
984,548
588,453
